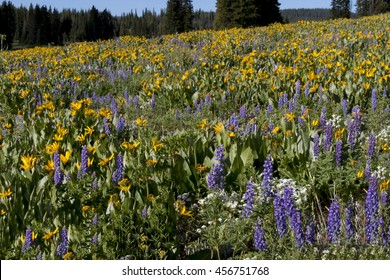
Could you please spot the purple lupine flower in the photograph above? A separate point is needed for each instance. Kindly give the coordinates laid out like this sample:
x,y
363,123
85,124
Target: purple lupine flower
x,y
270,109
328,136
291,105
367,170
95,184
372,208
339,152
384,198
58,174
188,110
285,99
126,96
280,215
280,102
298,87
234,122
344,104
301,121
153,102
333,226
63,247
95,238
208,100
114,106
267,178
145,212
120,125
28,241
289,202
242,112
323,118
371,145
106,127
216,178
383,230
310,233
118,174
387,109
307,89
257,109
136,101
297,229
249,197
84,162
316,147
374,100
349,228
95,220
39,256
259,237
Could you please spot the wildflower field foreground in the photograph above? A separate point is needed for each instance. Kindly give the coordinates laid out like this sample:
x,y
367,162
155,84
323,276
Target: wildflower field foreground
x,y
265,143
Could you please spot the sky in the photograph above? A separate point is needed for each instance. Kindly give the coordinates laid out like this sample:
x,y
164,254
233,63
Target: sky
x,y
117,7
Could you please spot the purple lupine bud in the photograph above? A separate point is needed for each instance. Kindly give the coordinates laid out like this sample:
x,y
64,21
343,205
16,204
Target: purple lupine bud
x,y
280,215
216,178
95,184
257,109
298,87
95,238
114,107
63,247
208,99
39,256
316,146
58,174
249,197
310,233
153,102
291,105
323,118
118,174
328,136
106,127
84,162
289,202
383,231
339,152
242,112
120,125
367,170
136,101
145,212
285,99
297,229
267,178
384,198
270,109
371,210
280,102
371,145
95,220
344,104
307,89
349,228
28,241
301,121
374,100
234,122
259,237
126,96
333,225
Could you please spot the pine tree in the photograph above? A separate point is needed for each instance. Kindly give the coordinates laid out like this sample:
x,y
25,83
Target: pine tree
x,y
179,16
363,7
7,24
341,9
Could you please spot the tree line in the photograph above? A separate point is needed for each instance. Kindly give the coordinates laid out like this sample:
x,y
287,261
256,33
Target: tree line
x,y
42,25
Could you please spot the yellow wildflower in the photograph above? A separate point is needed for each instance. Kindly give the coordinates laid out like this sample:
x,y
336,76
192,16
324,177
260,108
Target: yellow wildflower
x,y
156,144
52,148
50,166
339,133
150,197
275,130
62,131
315,122
130,146
85,208
65,158
289,116
58,137
383,186
28,162
67,256
200,168
141,122
151,162
3,212
81,138
88,130
231,134
385,148
125,188
50,234
105,161
184,212
203,123
360,174
218,127
6,193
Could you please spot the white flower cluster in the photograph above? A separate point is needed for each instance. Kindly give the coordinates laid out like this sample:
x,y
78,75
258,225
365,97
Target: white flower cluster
x,y
299,192
335,121
384,135
380,173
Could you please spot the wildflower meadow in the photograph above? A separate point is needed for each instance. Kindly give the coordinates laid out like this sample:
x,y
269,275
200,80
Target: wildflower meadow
x,y
261,143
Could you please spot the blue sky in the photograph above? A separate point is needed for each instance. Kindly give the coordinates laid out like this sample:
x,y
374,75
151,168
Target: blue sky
x,y
119,6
